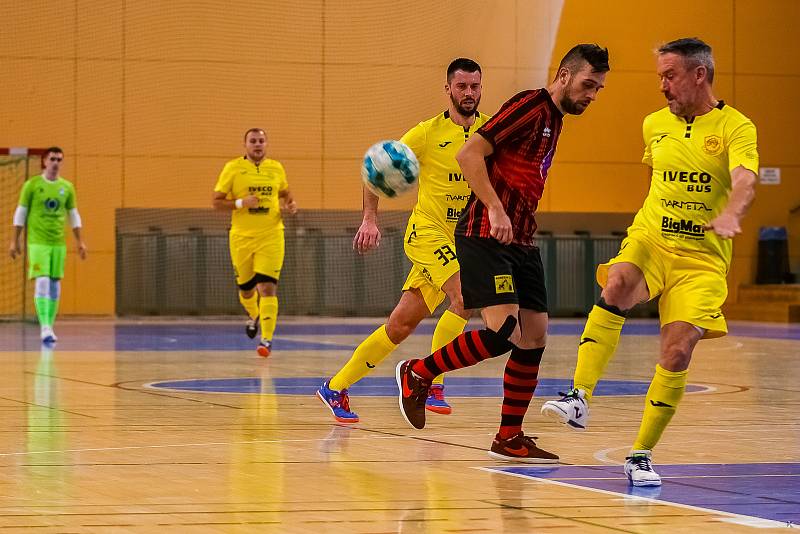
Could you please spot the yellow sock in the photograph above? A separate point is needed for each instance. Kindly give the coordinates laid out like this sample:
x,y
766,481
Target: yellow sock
x,y
250,304
447,329
666,391
366,357
597,346
268,311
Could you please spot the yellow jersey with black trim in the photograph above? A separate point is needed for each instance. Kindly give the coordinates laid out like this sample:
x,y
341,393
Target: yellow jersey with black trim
x,y
443,191
240,178
692,162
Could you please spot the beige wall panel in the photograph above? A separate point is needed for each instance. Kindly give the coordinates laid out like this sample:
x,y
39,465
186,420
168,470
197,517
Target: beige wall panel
x,y
37,29
190,109
99,193
429,33
537,27
250,35
766,37
306,181
343,188
596,187
100,27
170,182
38,104
95,285
776,118
632,30
385,104
99,107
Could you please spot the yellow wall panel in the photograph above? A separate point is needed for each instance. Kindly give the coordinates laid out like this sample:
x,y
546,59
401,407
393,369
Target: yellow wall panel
x,y
766,37
36,29
428,34
100,29
306,181
188,109
38,103
98,114
252,36
99,195
776,117
596,187
632,30
94,279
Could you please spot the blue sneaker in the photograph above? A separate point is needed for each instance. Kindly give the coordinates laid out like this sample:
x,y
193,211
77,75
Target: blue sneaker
x,y
338,402
435,401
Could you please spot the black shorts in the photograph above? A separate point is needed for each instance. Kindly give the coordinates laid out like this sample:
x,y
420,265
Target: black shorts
x,y
493,273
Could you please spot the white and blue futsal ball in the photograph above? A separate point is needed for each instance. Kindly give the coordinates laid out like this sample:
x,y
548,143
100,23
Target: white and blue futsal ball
x,y
389,169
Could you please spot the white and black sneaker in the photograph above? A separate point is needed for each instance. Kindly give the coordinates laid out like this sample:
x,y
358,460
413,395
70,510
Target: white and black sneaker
x,y
639,469
47,335
571,409
251,328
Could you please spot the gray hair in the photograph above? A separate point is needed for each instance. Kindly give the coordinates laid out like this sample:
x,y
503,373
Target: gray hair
x,y
694,51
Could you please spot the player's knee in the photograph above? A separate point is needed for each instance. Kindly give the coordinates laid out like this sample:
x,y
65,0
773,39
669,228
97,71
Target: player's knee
x,y
457,306
399,328
619,293
676,357
503,339
267,289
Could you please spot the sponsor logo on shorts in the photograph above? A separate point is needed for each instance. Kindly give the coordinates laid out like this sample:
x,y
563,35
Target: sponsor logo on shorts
x,y
684,205
427,274
682,227
444,144
503,283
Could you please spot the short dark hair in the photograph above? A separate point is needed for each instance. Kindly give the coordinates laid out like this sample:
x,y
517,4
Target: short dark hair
x,y
694,51
51,150
251,130
592,54
462,63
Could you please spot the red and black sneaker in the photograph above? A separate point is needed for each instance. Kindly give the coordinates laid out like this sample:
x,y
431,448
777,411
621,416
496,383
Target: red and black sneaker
x,y
413,394
520,448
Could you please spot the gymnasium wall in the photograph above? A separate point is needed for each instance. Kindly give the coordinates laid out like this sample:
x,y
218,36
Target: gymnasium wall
x,y
149,99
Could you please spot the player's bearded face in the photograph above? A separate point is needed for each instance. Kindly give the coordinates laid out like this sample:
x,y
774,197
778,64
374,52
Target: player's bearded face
x,y
581,90
465,92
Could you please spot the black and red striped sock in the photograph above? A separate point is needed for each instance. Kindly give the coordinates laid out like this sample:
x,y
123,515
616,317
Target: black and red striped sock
x,y
519,382
466,350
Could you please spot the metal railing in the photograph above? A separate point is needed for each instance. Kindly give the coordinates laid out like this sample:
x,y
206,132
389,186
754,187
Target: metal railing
x,y
190,274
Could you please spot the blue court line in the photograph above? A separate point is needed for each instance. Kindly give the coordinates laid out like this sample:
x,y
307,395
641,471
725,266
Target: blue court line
x,y
385,386
761,490
230,336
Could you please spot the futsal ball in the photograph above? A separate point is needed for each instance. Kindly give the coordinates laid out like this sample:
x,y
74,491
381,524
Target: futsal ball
x,y
389,169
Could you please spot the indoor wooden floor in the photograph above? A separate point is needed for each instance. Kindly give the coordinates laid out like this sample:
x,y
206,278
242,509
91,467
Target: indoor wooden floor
x,y
180,427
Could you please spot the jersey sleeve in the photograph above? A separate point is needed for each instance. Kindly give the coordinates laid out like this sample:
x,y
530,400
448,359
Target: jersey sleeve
x,y
26,195
284,183
743,147
225,180
416,139
72,201
647,157
516,118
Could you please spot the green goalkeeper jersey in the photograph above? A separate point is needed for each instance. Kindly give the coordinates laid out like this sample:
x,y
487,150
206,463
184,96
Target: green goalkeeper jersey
x,y
48,203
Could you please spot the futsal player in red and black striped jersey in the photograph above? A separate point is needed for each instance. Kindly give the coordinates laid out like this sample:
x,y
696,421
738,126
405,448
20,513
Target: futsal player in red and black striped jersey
x,y
506,164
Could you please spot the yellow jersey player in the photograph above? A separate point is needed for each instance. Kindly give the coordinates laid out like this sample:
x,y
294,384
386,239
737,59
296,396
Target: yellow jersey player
x,y
429,242
704,162
253,187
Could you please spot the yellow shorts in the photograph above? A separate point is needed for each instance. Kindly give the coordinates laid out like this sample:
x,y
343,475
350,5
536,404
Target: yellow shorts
x,y
262,255
692,288
433,255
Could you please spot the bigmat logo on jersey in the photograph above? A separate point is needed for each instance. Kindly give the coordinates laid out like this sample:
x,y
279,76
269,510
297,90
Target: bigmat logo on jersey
x,y
682,227
697,181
